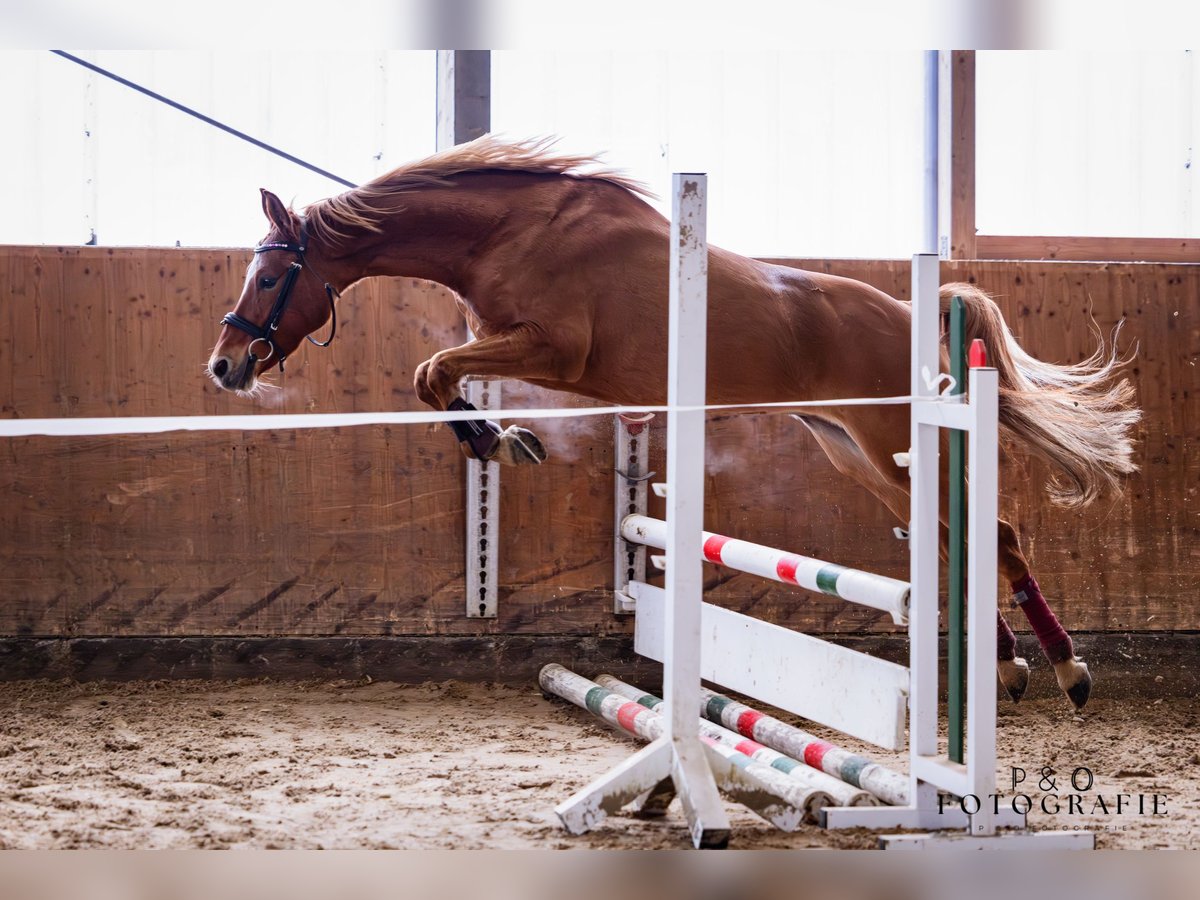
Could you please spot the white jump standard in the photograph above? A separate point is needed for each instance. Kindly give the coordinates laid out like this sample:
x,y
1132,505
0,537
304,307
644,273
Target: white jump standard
x,y
852,692
678,757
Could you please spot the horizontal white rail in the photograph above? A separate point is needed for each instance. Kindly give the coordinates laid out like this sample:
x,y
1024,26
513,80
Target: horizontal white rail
x,y
855,693
943,414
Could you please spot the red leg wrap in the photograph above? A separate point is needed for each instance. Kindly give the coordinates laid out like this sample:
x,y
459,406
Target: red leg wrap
x,y
1006,641
1055,641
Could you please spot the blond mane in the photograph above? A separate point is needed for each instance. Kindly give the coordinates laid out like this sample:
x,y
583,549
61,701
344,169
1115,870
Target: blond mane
x,y
363,207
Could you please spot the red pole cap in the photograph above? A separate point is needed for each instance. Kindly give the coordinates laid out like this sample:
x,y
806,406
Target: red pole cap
x,y
977,355
635,422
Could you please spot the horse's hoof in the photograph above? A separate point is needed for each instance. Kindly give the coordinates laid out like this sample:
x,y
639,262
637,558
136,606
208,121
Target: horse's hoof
x,y
1075,680
519,447
1014,675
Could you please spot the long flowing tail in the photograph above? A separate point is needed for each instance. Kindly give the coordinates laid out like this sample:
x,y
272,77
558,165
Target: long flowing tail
x,y
1078,418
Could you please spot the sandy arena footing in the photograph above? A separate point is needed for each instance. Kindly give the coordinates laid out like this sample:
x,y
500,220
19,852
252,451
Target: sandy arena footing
x,y
456,765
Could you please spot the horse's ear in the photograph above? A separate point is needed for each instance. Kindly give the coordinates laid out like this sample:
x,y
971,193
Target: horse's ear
x,y
280,216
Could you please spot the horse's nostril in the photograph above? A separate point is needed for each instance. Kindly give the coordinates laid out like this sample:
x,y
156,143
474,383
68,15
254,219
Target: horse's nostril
x,y
220,367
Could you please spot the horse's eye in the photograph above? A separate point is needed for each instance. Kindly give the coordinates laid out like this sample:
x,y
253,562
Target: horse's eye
x,y
267,282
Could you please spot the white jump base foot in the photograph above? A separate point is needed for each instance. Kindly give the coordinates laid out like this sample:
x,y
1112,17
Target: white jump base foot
x,y
877,818
1001,840
950,829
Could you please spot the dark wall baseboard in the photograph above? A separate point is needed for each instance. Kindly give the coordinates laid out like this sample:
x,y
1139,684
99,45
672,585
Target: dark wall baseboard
x,y
1142,664
500,658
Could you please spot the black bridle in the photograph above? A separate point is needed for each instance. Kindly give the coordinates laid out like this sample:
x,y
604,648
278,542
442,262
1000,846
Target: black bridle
x,y
266,332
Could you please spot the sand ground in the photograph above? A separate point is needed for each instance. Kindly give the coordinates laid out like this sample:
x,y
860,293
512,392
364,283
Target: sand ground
x,y
453,765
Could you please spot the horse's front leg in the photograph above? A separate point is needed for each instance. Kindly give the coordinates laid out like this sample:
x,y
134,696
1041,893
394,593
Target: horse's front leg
x,y
516,354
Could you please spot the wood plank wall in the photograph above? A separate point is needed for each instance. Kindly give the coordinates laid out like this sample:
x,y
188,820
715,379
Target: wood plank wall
x,y
359,531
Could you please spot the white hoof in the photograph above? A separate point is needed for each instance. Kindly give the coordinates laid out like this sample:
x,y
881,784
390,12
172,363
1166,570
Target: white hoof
x,y
1074,680
519,447
1014,675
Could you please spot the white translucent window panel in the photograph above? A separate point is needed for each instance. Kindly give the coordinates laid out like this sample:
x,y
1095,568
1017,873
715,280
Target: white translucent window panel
x,y
850,157
1087,143
614,103
809,153
42,160
164,177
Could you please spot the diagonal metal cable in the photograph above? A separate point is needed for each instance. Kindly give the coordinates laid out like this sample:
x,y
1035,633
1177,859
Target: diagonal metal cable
x,y
208,120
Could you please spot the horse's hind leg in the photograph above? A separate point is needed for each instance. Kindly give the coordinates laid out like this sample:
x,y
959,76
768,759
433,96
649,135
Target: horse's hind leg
x,y
863,450
890,484
1071,673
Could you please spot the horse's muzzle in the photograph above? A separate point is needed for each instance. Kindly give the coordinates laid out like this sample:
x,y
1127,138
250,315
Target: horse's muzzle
x,y
229,376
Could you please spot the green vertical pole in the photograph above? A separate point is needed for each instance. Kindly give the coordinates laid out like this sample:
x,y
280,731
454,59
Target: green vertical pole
x,y
958,543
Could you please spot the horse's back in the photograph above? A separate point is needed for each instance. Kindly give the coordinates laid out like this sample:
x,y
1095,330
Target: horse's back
x,y
844,338
600,263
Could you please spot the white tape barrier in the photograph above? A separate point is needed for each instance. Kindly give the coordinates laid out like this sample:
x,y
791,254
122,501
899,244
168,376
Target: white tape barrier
x,y
106,425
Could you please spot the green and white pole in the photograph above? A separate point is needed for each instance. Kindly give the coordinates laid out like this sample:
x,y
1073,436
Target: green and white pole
x,y
955,707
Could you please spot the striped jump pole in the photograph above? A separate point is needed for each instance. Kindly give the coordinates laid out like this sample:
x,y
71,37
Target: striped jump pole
x,y
637,720
843,793
866,588
887,784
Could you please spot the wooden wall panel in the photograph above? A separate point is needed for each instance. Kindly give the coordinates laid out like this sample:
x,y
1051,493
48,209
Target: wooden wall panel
x,y
359,531
342,531
1130,562
962,154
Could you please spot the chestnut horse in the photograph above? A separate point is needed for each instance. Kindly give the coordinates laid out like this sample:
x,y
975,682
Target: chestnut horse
x,y
560,269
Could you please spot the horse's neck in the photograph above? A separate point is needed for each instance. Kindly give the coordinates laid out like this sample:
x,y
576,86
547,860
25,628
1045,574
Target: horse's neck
x,y
438,235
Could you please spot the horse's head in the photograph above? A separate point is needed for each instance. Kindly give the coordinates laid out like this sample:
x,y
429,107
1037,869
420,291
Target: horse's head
x,y
283,301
